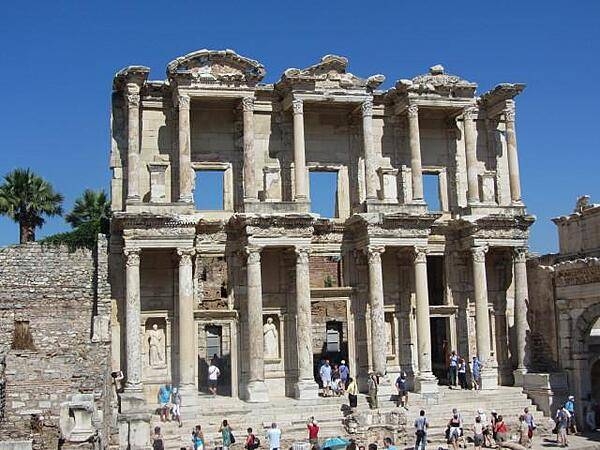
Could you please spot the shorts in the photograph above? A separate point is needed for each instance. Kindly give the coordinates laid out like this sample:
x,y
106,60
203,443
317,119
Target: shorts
x,y
212,383
402,393
175,410
478,440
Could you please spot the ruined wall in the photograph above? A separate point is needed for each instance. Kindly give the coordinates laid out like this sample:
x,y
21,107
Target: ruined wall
x,y
48,299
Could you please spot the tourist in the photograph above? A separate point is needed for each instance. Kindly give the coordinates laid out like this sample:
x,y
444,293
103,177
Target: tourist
x,y
387,443
487,430
274,437
373,386
157,440
453,431
313,432
523,429
492,425
372,446
213,377
461,438
590,418
562,422
198,438
344,373
352,391
452,368
226,435
462,373
325,374
176,411
164,398
478,433
402,398
570,406
501,430
252,442
421,425
530,422
476,373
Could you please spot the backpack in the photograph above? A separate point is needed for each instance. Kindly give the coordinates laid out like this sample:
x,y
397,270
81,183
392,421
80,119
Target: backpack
x,y
256,442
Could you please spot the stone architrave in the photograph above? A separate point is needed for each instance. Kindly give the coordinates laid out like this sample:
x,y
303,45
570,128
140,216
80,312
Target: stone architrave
x,y
250,188
306,387
521,307
378,340
132,314
187,335
369,150
256,390
186,178
299,150
512,156
133,141
425,382
414,138
271,339
471,153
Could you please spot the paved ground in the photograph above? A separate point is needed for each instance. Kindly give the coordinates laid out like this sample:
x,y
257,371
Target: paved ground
x,y
581,442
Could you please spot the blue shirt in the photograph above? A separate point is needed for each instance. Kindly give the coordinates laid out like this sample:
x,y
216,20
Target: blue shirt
x,y
164,394
453,360
476,367
344,372
325,372
570,406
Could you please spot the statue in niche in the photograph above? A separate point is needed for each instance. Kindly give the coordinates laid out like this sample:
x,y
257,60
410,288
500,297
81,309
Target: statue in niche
x,y
388,338
271,339
156,346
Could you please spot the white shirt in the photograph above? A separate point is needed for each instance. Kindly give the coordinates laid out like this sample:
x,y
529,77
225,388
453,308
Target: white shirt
x,y
213,372
274,435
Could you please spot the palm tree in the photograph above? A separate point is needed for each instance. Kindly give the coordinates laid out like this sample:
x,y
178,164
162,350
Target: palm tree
x,y
25,197
91,206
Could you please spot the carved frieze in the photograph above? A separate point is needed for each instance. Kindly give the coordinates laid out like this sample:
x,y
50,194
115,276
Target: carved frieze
x,y
582,271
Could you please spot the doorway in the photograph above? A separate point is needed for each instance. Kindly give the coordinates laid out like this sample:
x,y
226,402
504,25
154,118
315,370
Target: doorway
x,y
440,347
595,380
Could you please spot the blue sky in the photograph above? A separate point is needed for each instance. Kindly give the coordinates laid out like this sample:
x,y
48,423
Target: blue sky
x,y
57,60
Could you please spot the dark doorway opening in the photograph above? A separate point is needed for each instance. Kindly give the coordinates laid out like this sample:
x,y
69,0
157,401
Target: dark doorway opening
x,y
440,347
435,279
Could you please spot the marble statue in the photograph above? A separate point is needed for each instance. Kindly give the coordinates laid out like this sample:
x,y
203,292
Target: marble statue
x,y
271,337
156,346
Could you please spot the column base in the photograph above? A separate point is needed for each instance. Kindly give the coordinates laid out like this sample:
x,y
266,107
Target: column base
x,y
133,400
519,375
385,390
306,390
427,385
256,392
489,378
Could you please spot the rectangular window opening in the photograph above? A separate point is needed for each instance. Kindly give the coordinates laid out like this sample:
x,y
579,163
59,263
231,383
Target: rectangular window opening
x,y
435,279
323,193
209,191
22,337
334,337
213,342
431,191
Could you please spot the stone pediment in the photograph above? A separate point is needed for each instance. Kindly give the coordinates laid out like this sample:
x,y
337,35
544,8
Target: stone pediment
x,y
439,83
205,67
329,74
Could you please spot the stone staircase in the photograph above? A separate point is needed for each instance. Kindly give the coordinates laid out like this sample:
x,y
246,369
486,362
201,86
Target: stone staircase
x,y
292,415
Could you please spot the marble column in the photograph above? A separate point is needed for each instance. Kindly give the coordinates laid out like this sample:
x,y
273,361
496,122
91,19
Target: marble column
x,y
256,389
306,387
187,335
415,153
133,142
378,338
425,382
250,189
299,150
521,306
471,153
489,376
185,152
132,316
511,153
369,150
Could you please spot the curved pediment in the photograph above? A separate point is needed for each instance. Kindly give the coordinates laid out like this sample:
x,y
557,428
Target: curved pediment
x,y
216,67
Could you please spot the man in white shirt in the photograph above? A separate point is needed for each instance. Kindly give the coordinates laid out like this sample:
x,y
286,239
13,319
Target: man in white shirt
x,y
213,375
274,436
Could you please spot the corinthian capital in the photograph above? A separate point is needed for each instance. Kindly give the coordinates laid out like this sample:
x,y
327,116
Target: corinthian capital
x,y
420,255
253,255
470,112
367,108
520,254
509,113
132,256
248,104
183,101
374,254
478,253
297,106
302,255
133,99
185,256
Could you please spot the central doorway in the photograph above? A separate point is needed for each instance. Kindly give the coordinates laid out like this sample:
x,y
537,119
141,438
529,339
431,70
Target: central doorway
x,y
440,347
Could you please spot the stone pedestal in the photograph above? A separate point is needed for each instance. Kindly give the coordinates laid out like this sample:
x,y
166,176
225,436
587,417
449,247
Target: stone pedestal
x,y
256,392
134,431
306,390
519,377
489,378
426,384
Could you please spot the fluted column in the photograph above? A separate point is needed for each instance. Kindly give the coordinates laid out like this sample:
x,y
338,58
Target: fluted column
x,y
256,390
511,152
306,387
521,306
132,316
250,189
185,151
415,153
369,150
187,335
299,150
471,153
378,338
133,141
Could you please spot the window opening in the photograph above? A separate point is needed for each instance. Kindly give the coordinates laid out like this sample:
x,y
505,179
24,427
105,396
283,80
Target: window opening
x,y
22,337
213,341
209,191
431,191
323,193
334,337
435,279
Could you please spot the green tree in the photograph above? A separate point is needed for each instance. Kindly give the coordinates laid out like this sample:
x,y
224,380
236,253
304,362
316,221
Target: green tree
x,y
26,197
91,206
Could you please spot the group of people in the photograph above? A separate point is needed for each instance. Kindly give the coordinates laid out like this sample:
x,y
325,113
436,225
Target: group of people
x,y
457,372
334,379
169,399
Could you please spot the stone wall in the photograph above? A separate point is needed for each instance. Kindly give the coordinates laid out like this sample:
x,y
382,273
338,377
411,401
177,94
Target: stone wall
x,y
58,300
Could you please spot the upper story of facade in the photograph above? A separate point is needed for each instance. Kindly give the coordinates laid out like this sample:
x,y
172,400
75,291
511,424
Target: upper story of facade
x,y
579,232
212,117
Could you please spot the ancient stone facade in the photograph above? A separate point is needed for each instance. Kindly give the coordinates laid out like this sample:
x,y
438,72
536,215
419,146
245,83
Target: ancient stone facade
x,y
54,316
389,283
